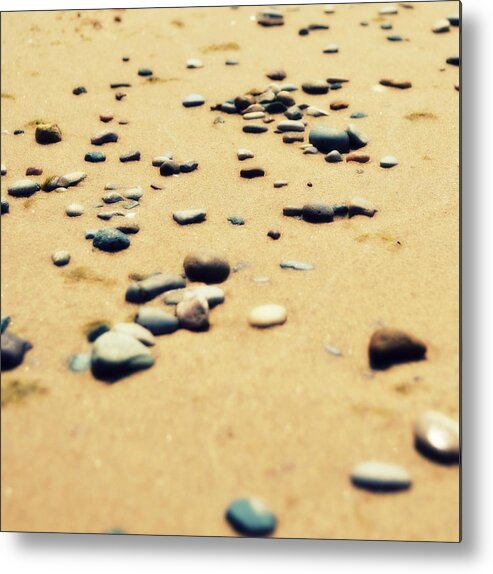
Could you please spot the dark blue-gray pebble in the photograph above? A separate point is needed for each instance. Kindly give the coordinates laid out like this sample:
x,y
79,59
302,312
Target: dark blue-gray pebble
x,y
246,519
110,240
95,156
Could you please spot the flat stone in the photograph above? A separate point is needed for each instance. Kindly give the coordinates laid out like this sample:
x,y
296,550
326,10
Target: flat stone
x,y
388,161
437,437
291,211
310,151
61,258
130,156
394,38
47,134
111,240
340,210
95,157
152,286
251,517
453,60
13,350
358,157
454,20
23,188
361,206
193,314
107,215
79,362
333,157
244,154
112,197
441,26
251,172
386,26
188,216
254,129
211,293
193,100
291,126
5,206
169,167
296,265
315,87
285,97
104,138
189,166
331,49
326,139
134,193
95,330
317,213
235,220
287,88
358,115
115,355
267,316
292,138
231,62
253,115
157,161
388,10
116,85
105,118
157,321
74,210
389,346
3,169
399,84
129,228
144,72
357,138
206,266
194,63
280,183
315,112
380,477
136,331
33,171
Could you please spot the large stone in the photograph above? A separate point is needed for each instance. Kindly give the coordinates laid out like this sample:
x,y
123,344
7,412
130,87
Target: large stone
x,y
157,321
111,240
47,134
115,355
318,213
326,139
13,350
206,266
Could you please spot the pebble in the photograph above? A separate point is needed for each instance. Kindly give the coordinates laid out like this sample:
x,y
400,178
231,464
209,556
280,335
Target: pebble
x,y
152,286
276,75
211,293
189,166
18,132
315,88
79,362
96,330
292,211
206,266
453,60
74,210
23,188
193,314
131,156
388,161
67,180
303,31
285,98
61,258
188,216
287,88
129,228
231,62
254,129
270,18
333,157
120,95
331,49
280,183
315,112
107,215
394,38
194,63
234,220
389,346
95,157
361,206
104,138
112,197
158,161
267,315
386,26
326,139
380,477
144,72
317,213
244,154
291,126
437,437
34,171
111,240
251,517
358,115
169,167
48,134
116,354
253,115
454,20
358,157
357,139
136,331
338,105
275,235
251,172
157,321
311,151
340,210
13,350
329,9
79,90
388,10
105,118
400,84
3,169
291,138
5,206
4,323
193,100
296,265
441,26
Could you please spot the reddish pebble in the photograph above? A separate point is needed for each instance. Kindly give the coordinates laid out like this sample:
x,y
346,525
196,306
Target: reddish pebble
x,y
404,85
34,171
358,157
339,105
276,75
105,118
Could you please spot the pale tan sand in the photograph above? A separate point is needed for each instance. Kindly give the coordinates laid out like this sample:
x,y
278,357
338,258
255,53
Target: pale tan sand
x,y
234,411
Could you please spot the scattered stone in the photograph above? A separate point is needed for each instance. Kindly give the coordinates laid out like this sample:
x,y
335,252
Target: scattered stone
x,y
211,293
194,63
254,129
120,95
313,27
189,166
388,9
454,20
107,215
270,18
357,139
253,115
74,210
134,193
131,156
244,154
339,105
329,9
292,138
188,216
95,330
104,138
251,517
315,88
340,210
23,188
280,183
115,355
388,161
394,38
234,220
390,346
331,49
61,258
441,26
79,362
267,316
231,62
292,211
169,167
296,265
95,157
276,75
13,350
136,331
311,151
326,139
360,206
79,90
34,171
105,118
193,314
158,161
291,126
401,84
129,228
18,132
358,115
67,180
453,60
3,169
251,172
47,134
206,266
4,323
275,235
437,437
317,213
120,85
333,157
112,197
380,477
284,97
193,100
358,157
386,26
157,321
152,286
5,206
315,112
144,72
111,240
303,31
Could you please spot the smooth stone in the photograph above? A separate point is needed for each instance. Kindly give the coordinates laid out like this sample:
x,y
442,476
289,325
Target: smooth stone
x,y
234,220
357,138
251,517
389,346
275,108
399,84
388,10
112,197
129,228
228,108
105,118
96,330
152,286
292,138
280,183
206,266
317,213
380,477
361,206
251,172
254,129
454,20
79,362
284,97
453,60
394,38
329,9
358,115
169,167
189,166
23,188
144,72
61,258
74,210
358,157
194,63
326,139
291,126
79,90
117,85
315,112
13,350
193,100
277,75
136,331
95,157
5,206
292,211
211,293
130,156
107,215
33,171
188,216
157,321
244,154
3,169
303,31
231,62
331,49
437,437
104,138
310,151
297,265
157,161
315,88
313,27
388,161
134,193
111,240
287,88
115,355
48,134
253,115
386,26
333,157
275,235
441,26
267,315
270,18
71,179
193,314
4,323
340,210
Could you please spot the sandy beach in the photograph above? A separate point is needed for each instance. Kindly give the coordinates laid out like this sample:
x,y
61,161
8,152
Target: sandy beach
x,y
234,411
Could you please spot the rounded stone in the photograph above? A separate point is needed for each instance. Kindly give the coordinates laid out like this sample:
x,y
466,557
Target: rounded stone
x,y
291,126
388,161
111,240
357,138
317,213
34,171
130,156
194,63
315,87
244,154
48,134
104,138
189,216
252,172
251,517
5,206
331,49
211,293
13,349
79,362
437,437
189,166
389,346
144,72
61,258
136,331
206,266
74,210
441,26
152,286
275,235
267,315
169,167
255,129
23,188
193,100
116,354
326,139
193,314
296,265
380,477
157,321
95,157
333,157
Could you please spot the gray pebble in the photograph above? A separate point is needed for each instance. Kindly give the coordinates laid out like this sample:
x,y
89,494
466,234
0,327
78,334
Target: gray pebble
x,y
131,156
152,286
315,88
5,206
193,100
361,206
357,139
23,188
134,193
112,197
136,331
189,166
380,477
206,266
441,26
193,314
333,157
235,220
188,216
318,213
244,154
95,157
13,349
252,172
157,161
4,323
255,129
61,258
231,62
79,362
326,139
315,112
115,355
107,215
104,138
111,240
3,169
291,126
157,321
194,63
74,210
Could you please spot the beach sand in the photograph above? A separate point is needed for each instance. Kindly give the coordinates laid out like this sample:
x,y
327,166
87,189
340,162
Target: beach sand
x,y
235,411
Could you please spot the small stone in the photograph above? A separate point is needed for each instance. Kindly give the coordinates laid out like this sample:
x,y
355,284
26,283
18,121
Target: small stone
x,y
357,139
315,88
5,206
105,118
394,38
63,181
291,126
317,213
23,188
111,240
158,161
270,18
292,211
267,316
231,62
340,210
116,85
388,10
244,154
251,517
48,134
326,139
211,293
134,193
380,477
361,206
251,172
234,220
107,215
315,112
331,49
152,286
303,31
34,171
275,235
280,183
388,161
131,156
242,103
390,346
61,258
120,95
254,129
144,72
79,362
104,138
313,27
193,100
95,157
285,98
13,350
18,132
454,20
386,26
358,157
193,314
74,210
157,321
206,266
333,157
311,151
329,9
437,437
96,330
277,75
129,228
112,197
136,331
287,88
296,265
189,166
169,167
400,84
358,115
194,63
188,216
4,323
441,26
253,115
115,355
339,105
453,60
292,138
3,169
79,90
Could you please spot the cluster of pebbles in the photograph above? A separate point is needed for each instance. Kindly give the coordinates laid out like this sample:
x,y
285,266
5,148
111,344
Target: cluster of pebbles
x,y
187,298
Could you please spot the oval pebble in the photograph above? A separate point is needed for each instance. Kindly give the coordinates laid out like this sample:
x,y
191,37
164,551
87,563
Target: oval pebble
x,y
437,437
13,349
296,265
111,240
74,210
136,331
326,139
193,100
23,188
189,216
61,258
79,362
251,517
115,355
267,316
380,477
152,286
388,161
95,157
206,266
194,63
157,321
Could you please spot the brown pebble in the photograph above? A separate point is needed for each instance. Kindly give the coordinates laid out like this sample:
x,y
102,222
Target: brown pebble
x,y
105,118
274,235
276,75
402,85
120,95
193,314
339,105
358,157
243,102
389,346
34,171
292,138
